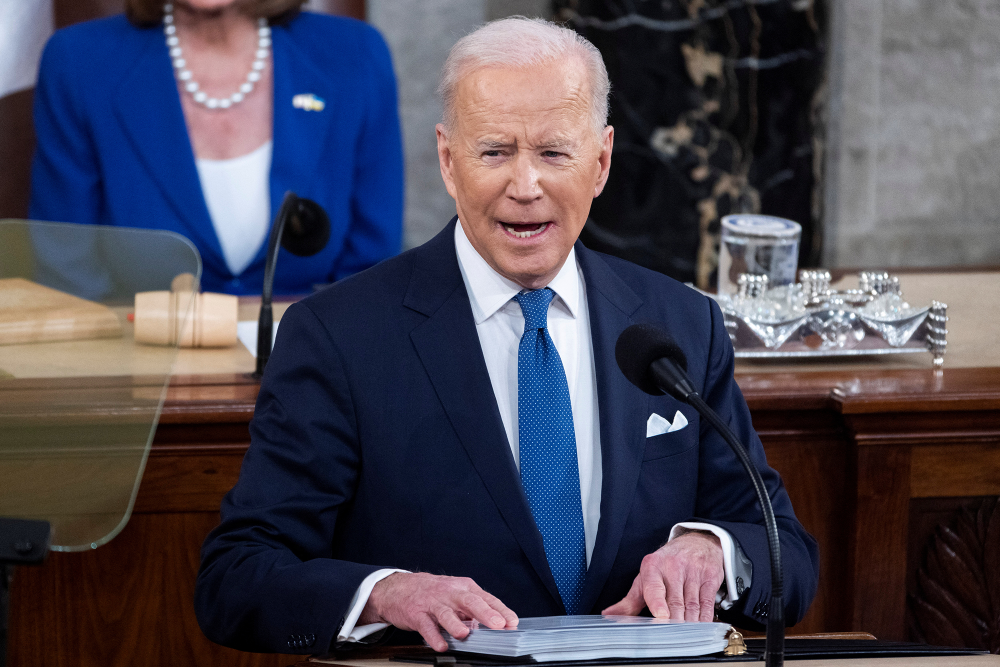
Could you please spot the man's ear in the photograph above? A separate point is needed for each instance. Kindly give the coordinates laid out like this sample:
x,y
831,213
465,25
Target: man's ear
x,y
607,143
445,160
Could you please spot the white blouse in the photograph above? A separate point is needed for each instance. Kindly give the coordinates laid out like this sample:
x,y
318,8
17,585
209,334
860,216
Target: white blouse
x,y
237,192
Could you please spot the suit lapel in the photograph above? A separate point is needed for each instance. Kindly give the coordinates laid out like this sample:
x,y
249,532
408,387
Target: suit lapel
x,y
148,107
464,389
612,304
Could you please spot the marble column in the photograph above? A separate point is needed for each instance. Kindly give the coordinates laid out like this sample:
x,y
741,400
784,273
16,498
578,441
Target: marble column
x,y
914,144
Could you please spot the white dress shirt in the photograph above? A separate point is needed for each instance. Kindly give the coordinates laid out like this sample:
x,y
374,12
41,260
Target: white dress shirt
x,y
238,195
500,324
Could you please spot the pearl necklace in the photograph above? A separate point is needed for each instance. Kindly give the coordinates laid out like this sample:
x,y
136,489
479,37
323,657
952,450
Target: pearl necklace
x,y
185,77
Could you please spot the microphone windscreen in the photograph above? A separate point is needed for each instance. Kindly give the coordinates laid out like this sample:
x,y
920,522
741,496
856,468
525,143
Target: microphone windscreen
x,y
307,229
638,347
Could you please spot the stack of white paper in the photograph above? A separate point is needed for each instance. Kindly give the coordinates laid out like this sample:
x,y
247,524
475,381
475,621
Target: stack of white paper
x,y
550,638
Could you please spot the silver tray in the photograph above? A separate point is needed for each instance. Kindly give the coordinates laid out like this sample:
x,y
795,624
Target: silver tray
x,y
809,319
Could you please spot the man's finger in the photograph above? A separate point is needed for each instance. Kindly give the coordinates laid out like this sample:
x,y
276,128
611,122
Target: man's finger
x,y
449,620
692,599
674,595
708,590
655,593
508,614
479,609
630,605
624,607
428,629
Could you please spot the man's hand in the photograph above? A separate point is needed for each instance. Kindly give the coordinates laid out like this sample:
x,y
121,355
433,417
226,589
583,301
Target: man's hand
x,y
679,580
425,602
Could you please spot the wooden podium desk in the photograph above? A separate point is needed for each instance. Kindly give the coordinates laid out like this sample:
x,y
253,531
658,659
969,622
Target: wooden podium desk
x,y
875,455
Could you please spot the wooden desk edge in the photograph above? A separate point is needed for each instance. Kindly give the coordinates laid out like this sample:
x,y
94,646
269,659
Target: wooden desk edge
x,y
382,656
928,661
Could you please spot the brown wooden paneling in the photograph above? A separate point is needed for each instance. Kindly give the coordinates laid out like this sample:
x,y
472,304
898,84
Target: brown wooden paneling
x,y
918,390
353,8
186,483
956,470
68,12
878,546
926,428
17,141
953,572
127,603
813,469
926,515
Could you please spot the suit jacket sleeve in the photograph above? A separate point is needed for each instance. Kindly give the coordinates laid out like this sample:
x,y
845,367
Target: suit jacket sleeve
x,y
726,497
377,200
65,176
267,572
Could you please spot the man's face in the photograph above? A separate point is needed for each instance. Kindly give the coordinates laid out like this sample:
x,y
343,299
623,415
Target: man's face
x,y
523,164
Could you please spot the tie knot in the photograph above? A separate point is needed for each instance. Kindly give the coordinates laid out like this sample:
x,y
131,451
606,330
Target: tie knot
x,y
535,306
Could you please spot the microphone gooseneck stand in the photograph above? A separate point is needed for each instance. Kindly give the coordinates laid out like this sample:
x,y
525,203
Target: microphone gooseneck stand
x,y
774,647
650,358
309,228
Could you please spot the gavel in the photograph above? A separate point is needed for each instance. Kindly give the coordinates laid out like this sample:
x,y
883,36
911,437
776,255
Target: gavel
x,y
185,317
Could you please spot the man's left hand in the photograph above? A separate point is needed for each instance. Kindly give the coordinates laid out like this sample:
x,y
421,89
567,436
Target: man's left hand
x,y
679,580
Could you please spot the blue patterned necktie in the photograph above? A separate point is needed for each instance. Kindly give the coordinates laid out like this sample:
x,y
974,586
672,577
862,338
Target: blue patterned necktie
x,y
547,444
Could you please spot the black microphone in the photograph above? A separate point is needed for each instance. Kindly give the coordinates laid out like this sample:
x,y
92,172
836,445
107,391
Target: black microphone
x,y
302,228
653,362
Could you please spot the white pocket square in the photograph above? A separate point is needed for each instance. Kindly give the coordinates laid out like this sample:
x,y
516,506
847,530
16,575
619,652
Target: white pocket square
x,y
657,425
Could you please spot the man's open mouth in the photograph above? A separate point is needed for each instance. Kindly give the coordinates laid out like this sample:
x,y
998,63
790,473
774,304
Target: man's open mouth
x,y
525,231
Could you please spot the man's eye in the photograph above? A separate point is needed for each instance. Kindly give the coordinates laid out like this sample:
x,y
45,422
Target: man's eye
x,y
493,153
551,154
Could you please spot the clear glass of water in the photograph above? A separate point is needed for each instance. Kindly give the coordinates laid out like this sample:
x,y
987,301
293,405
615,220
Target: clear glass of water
x,y
759,245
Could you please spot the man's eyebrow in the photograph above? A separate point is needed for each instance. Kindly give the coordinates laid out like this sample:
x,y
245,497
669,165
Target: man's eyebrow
x,y
493,143
558,142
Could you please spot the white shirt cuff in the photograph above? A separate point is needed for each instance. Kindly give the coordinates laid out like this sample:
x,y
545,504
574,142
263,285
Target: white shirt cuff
x,y
730,594
348,632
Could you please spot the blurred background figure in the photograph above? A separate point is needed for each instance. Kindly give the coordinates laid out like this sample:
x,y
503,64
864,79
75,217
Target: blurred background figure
x,y
196,116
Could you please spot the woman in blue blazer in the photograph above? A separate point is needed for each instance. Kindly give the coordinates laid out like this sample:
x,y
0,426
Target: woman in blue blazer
x,y
115,118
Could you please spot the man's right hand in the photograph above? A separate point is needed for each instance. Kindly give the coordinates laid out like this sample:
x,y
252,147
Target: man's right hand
x,y
427,602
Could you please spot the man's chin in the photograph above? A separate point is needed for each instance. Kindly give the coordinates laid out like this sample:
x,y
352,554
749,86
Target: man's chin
x,y
531,276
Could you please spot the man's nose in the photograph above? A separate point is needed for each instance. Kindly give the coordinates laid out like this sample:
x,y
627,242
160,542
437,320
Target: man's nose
x,y
524,183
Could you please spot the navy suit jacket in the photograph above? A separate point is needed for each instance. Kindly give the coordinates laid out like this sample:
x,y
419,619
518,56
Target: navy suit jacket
x,y
377,442
113,147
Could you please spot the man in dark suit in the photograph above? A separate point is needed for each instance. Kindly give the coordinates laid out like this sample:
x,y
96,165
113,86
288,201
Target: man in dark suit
x,y
446,436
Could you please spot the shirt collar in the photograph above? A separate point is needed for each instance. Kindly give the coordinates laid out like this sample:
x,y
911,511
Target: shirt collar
x,y
489,291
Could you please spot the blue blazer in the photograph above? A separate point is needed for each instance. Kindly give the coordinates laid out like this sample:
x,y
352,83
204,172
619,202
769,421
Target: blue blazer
x,y
113,147
377,442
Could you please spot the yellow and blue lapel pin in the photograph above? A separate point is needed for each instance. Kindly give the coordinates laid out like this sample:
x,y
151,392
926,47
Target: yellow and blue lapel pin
x,y
308,102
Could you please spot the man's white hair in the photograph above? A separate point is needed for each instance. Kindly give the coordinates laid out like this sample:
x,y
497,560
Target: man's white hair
x,y
517,42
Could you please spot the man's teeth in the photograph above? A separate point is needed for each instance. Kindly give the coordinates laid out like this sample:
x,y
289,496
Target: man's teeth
x,y
527,235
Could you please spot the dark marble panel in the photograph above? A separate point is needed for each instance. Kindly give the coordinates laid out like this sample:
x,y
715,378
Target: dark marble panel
x,y
717,109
